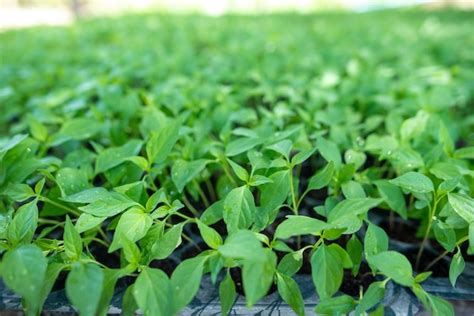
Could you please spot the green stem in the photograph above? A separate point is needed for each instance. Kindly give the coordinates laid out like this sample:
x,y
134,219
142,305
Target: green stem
x,y
432,211
185,217
49,201
441,256
190,206
201,194
49,221
152,183
210,188
302,197
293,192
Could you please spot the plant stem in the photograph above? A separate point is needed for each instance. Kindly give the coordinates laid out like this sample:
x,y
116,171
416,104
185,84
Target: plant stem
x,y
441,256
295,204
152,183
49,201
210,188
103,234
190,206
293,193
432,211
201,194
49,221
185,217
391,220
302,197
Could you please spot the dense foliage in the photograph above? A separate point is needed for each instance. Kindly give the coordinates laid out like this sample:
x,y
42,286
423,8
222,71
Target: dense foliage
x,y
147,151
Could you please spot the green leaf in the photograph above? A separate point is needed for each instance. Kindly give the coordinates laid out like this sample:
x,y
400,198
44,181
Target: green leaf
x,y
436,305
440,307
374,295
132,225
19,192
352,207
79,129
71,180
109,205
423,276
445,235
167,243
338,305
160,143
257,275
111,277
257,180
23,226
329,151
274,194
183,172
464,153
290,293
456,267
291,263
282,147
84,287
393,196
447,186
242,244
327,271
186,279
23,271
88,221
322,178
139,161
213,213
112,157
344,257
299,225
375,240
239,171
227,294
39,186
72,241
239,209
463,205
352,189
52,273
302,156
355,251
210,236
153,293
87,196
9,143
414,182
355,157
394,265
129,305
241,145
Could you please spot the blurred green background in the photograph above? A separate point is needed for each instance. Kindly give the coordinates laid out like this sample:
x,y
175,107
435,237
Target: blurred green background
x,y
24,13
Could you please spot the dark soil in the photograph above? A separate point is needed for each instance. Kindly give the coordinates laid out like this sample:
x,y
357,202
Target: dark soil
x,y
440,269
236,274
351,285
401,230
167,265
